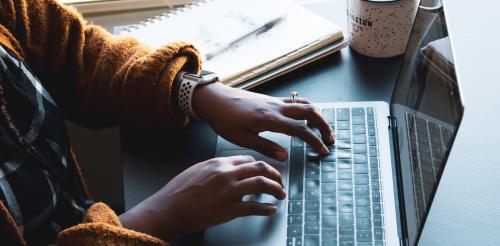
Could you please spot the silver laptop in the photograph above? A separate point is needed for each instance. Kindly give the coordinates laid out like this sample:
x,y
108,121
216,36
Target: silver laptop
x,y
377,184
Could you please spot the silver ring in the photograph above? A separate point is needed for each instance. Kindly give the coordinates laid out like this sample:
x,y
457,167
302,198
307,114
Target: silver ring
x,y
294,95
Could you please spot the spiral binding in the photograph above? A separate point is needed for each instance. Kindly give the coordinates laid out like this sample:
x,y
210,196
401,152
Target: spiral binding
x,y
164,16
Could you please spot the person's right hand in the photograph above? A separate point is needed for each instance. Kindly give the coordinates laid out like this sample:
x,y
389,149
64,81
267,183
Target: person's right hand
x,y
206,194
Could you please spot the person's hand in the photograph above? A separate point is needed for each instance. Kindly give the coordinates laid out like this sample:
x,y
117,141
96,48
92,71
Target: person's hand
x,y
204,195
239,116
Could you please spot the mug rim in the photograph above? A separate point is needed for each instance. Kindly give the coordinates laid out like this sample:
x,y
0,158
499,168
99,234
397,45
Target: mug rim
x,y
381,1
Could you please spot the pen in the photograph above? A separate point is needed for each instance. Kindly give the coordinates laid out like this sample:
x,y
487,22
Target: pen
x,y
258,30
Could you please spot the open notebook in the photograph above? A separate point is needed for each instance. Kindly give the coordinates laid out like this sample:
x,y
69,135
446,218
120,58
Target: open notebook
x,y
214,23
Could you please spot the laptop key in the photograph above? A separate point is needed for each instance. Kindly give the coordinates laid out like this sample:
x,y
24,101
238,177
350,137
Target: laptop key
x,y
346,220
344,164
311,217
377,221
311,205
345,207
311,240
295,207
360,158
328,167
370,111
379,233
312,172
312,154
377,208
328,210
345,185
343,125
359,148
346,234
296,174
294,241
361,179
373,151
343,114
330,157
362,201
376,196
311,228
343,143
295,219
329,222
312,194
374,173
328,188
347,243
330,177
343,134
345,196
379,243
363,212
361,168
312,184
370,120
294,231
364,236
345,174
329,235
358,120
362,190
372,141
359,139
371,130
363,224
375,185
373,162
329,199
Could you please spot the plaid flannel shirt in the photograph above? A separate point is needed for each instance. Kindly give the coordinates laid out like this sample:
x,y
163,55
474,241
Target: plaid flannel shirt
x,y
41,191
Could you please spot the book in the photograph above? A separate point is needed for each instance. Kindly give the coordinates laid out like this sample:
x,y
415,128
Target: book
x,y
212,24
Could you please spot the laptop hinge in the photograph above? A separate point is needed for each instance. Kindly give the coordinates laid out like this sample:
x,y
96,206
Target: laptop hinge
x,y
393,128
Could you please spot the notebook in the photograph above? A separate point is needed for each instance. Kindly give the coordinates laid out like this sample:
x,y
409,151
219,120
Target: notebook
x,y
212,24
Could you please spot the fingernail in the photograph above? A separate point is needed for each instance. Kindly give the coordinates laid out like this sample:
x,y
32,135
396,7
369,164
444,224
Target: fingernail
x,y
324,150
281,155
283,195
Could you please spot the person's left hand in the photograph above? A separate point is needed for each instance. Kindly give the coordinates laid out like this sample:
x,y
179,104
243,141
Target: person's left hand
x,y
239,116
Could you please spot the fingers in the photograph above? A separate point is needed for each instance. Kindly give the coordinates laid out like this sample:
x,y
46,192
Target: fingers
x,y
257,185
264,146
308,112
253,208
298,129
258,168
240,159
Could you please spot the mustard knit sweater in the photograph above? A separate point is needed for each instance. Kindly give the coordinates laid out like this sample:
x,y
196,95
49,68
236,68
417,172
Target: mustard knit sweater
x,y
97,80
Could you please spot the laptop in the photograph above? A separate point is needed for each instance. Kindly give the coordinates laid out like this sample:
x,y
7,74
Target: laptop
x,y
376,185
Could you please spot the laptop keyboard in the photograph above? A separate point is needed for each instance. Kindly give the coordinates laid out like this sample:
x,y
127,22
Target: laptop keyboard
x,y
428,145
337,199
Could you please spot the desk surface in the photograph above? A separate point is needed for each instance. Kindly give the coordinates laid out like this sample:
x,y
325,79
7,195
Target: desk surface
x,y
466,209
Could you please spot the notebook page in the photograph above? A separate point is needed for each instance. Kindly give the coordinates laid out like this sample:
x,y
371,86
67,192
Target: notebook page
x,y
214,23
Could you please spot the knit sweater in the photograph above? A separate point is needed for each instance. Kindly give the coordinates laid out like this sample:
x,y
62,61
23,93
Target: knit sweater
x,y
97,80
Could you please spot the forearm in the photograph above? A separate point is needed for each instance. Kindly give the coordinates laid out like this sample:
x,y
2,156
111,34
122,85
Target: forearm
x,y
97,79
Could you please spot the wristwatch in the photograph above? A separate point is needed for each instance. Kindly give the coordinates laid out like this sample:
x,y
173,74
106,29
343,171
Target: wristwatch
x,y
188,82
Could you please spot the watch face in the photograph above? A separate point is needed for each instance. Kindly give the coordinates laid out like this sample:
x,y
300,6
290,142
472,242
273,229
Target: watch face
x,y
205,77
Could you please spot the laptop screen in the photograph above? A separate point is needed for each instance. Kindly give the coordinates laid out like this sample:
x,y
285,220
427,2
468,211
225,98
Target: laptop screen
x,y
427,106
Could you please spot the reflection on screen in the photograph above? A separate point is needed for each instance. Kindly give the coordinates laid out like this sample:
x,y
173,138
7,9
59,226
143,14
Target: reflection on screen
x,y
428,108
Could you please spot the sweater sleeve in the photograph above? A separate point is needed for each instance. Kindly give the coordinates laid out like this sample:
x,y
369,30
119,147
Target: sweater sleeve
x,y
101,226
96,78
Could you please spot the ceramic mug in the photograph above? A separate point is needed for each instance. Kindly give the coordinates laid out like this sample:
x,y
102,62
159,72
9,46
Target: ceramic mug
x,y
380,28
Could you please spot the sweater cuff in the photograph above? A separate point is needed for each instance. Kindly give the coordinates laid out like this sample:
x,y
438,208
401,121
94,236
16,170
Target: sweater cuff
x,y
101,226
147,96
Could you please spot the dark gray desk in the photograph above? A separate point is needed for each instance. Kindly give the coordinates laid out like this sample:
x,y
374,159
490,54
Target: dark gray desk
x,y
466,210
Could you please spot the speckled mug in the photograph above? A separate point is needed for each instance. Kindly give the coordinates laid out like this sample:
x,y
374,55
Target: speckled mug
x,y
380,28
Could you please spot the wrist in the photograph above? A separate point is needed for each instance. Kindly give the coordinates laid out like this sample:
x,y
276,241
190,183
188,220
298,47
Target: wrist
x,y
204,97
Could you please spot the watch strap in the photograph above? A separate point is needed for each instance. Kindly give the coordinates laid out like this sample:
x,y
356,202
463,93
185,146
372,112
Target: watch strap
x,y
185,96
